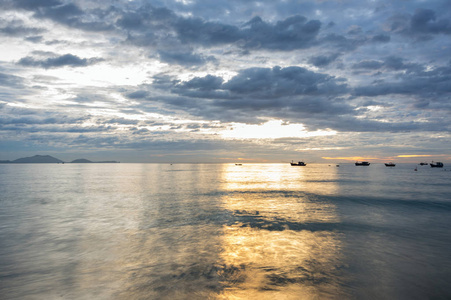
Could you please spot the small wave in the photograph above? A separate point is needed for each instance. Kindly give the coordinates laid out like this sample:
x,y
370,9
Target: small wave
x,y
390,202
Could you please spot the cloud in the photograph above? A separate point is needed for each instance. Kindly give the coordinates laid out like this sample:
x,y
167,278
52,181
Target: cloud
x,y
145,24
12,81
342,43
431,88
58,61
280,82
34,4
18,29
389,63
137,94
184,58
348,124
34,39
29,116
323,60
424,21
224,61
206,83
422,25
65,13
289,92
368,64
381,38
292,33
146,17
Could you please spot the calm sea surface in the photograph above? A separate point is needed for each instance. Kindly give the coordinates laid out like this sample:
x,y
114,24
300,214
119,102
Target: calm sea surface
x,y
221,231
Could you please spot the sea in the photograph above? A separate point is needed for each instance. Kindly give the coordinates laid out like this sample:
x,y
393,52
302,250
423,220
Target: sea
x,y
224,231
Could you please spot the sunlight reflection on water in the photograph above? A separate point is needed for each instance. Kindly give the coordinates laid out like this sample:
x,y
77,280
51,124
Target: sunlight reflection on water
x,y
155,231
273,259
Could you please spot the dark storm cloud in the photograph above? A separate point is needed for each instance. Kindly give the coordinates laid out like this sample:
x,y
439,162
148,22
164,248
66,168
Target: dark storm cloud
x,y
206,83
292,33
392,63
137,94
174,36
368,64
342,43
65,13
425,21
34,4
145,23
323,60
430,89
145,18
198,31
72,15
356,30
59,61
276,92
422,24
381,38
281,82
61,13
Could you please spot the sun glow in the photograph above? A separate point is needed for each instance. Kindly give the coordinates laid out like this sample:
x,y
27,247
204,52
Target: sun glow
x,y
271,130
414,155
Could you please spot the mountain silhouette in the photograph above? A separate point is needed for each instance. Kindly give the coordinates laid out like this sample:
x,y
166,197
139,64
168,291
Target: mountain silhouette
x,y
87,161
47,159
37,159
81,161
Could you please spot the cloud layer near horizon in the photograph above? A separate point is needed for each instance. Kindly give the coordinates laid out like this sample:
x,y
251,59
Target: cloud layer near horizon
x,y
168,79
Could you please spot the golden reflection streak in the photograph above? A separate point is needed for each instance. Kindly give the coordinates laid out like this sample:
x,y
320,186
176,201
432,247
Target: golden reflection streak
x,y
270,249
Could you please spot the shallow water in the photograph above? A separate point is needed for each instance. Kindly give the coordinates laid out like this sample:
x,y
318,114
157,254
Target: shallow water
x,y
220,231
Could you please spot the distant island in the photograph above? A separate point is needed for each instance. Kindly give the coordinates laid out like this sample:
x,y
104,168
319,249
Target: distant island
x,y
47,159
87,161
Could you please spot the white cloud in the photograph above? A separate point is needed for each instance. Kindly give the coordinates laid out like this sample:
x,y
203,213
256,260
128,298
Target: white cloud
x,y
272,72
272,129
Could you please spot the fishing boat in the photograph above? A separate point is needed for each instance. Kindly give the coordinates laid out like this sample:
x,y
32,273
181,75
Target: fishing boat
x,y
390,164
436,165
423,163
362,163
299,163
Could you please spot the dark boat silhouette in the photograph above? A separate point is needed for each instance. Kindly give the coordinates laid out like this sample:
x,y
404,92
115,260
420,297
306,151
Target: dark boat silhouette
x,y
436,165
390,164
299,163
362,163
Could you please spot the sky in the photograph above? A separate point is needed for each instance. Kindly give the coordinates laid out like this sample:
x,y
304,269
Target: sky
x,y
321,81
